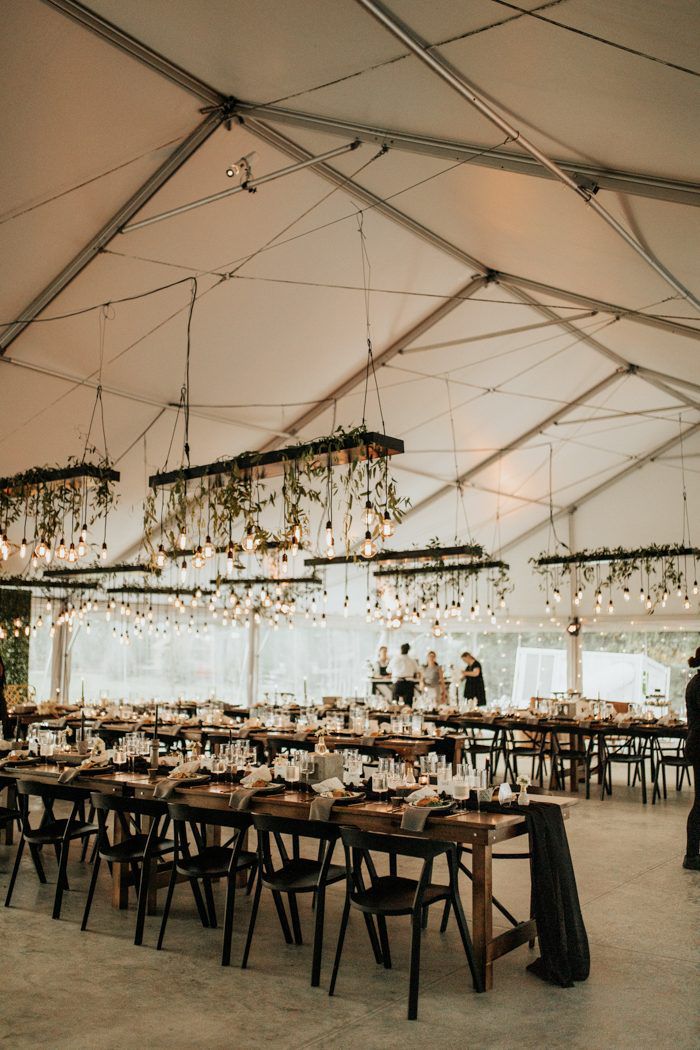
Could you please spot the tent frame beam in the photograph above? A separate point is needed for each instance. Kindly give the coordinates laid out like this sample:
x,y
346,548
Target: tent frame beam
x,y
673,191
519,441
129,45
642,461
461,85
180,155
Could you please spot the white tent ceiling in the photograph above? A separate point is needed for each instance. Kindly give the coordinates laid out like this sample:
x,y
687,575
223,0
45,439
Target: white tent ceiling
x,y
90,115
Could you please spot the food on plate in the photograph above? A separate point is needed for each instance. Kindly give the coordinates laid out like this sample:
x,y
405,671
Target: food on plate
x,y
338,793
181,774
429,800
260,783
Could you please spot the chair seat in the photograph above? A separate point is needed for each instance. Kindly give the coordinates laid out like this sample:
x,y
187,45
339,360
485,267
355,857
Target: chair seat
x,y
213,862
134,848
55,831
6,815
301,876
630,759
394,895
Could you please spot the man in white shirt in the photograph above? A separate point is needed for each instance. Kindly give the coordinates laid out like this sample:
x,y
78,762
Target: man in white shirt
x,y
404,673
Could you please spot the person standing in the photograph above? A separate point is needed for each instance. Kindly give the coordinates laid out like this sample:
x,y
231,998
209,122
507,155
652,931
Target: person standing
x,y
692,753
404,674
433,680
473,679
381,668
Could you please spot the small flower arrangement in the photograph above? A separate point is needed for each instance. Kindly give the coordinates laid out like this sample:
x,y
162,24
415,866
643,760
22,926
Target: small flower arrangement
x,y
523,783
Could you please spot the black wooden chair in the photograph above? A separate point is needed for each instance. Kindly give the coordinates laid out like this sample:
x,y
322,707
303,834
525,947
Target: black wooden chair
x,y
294,875
629,750
392,895
208,862
528,742
50,832
139,849
9,814
668,753
487,741
567,746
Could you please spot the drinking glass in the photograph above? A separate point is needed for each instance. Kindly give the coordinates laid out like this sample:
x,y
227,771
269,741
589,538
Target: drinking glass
x,y
460,791
379,785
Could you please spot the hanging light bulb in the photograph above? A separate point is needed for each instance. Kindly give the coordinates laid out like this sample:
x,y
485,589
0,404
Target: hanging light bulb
x,y
611,607
182,539
198,560
387,526
686,602
61,550
577,600
641,594
230,560
626,594
555,594
547,607
72,554
648,601
369,548
41,548
695,587
160,556
83,534
297,533
23,549
249,539
368,514
183,570
103,552
285,564
208,548
346,606
82,549
48,555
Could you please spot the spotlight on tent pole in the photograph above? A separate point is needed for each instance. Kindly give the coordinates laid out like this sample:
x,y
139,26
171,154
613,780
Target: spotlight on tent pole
x,y
242,167
574,627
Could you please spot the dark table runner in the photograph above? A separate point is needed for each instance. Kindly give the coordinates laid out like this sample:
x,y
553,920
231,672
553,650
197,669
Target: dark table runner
x,y
561,932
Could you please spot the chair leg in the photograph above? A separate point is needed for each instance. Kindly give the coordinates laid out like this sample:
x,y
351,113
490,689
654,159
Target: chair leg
x,y
198,900
318,937
294,912
251,924
15,869
384,941
251,881
166,907
282,917
90,818
339,946
414,974
643,778
209,899
91,892
228,918
373,939
462,927
445,916
142,898
61,882
36,858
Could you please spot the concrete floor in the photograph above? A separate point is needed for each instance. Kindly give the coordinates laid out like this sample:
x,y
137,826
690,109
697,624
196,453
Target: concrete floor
x,y
61,988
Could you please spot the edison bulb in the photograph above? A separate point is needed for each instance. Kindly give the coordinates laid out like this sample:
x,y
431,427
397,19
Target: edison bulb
x,y
285,563
387,526
368,514
182,540
369,548
208,548
72,555
23,549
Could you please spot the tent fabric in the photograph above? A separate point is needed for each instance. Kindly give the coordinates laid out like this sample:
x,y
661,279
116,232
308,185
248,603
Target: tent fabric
x,y
279,322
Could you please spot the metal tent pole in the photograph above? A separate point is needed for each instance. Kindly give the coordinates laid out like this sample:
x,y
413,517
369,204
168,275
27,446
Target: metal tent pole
x,y
518,441
175,161
250,186
462,86
648,457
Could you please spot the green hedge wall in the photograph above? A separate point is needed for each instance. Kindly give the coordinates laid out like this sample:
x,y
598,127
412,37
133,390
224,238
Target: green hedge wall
x,y
15,651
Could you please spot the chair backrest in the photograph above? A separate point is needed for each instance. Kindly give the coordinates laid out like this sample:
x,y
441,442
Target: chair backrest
x,y
119,804
53,792
398,845
310,829
228,818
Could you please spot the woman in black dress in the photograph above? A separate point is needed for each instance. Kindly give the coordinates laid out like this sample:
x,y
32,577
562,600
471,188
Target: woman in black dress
x,y
692,753
473,679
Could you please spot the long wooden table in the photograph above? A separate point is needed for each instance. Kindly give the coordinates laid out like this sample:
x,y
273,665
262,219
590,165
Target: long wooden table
x,y
479,831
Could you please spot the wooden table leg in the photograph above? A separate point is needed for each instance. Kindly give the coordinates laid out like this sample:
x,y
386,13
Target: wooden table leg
x,y
482,908
120,872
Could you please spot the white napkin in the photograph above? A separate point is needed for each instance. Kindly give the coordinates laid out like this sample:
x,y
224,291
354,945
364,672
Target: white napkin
x,y
261,773
504,794
332,784
424,792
